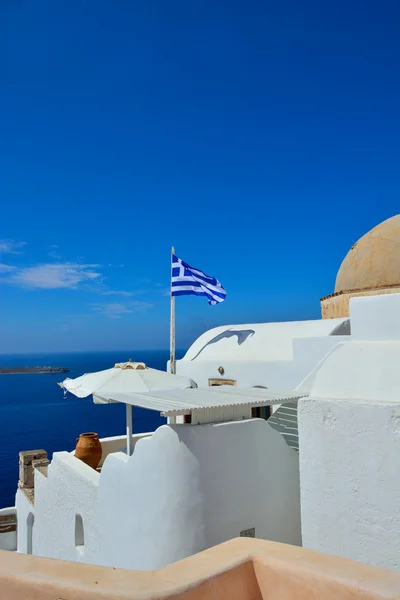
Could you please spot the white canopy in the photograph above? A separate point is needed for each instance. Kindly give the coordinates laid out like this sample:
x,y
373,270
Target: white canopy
x,y
124,378
183,401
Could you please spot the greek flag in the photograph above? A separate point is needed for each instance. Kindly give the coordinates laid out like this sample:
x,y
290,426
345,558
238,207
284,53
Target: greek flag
x,y
186,280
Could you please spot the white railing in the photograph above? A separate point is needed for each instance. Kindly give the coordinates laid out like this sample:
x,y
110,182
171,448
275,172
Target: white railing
x,y
284,420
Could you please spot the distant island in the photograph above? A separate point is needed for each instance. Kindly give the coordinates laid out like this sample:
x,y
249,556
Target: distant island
x,y
31,370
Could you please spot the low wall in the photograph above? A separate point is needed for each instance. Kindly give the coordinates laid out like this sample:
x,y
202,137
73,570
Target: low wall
x,y
241,569
184,489
8,528
188,488
117,443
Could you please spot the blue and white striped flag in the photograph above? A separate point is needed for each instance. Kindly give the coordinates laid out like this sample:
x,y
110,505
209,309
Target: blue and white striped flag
x,y
186,280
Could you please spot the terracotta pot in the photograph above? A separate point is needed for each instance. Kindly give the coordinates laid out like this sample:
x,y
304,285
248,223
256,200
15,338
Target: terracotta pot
x,y
88,449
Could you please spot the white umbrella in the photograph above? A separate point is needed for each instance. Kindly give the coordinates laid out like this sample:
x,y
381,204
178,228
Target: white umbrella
x,y
124,378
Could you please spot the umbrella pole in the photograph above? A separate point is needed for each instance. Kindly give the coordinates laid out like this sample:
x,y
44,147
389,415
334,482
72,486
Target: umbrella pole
x,y
129,429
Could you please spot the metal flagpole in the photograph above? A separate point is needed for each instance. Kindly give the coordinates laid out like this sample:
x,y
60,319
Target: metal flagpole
x,y
172,327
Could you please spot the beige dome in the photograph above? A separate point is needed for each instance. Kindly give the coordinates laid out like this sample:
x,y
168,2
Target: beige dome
x,y
374,261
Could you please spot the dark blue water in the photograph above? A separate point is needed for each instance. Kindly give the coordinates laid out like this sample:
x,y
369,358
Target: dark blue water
x,y
35,414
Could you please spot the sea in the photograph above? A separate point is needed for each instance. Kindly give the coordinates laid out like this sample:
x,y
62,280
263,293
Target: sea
x,y
35,413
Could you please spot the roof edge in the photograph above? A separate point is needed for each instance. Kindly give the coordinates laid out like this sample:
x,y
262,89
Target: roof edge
x,y
357,290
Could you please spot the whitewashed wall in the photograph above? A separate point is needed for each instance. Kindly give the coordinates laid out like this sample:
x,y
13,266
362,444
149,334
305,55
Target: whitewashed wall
x,y
349,433
117,443
259,341
350,484
279,372
25,510
184,489
67,494
190,487
376,317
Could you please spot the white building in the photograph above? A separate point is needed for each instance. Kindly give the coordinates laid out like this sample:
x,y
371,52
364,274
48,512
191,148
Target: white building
x,y
272,355
349,431
184,489
188,486
214,472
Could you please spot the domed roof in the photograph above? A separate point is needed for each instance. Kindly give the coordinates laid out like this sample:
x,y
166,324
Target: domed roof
x,y
373,261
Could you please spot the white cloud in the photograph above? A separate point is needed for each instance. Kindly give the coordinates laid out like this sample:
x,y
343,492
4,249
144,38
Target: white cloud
x,y
119,293
115,310
11,246
5,268
54,276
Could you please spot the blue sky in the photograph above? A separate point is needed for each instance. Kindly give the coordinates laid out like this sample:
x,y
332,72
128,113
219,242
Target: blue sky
x,y
259,138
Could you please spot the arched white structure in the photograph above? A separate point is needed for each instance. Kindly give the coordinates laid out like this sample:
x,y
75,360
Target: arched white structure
x,y
273,355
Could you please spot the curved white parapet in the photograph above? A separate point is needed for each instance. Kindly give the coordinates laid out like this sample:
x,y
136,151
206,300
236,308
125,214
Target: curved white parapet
x,y
184,489
188,488
272,355
259,341
117,443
